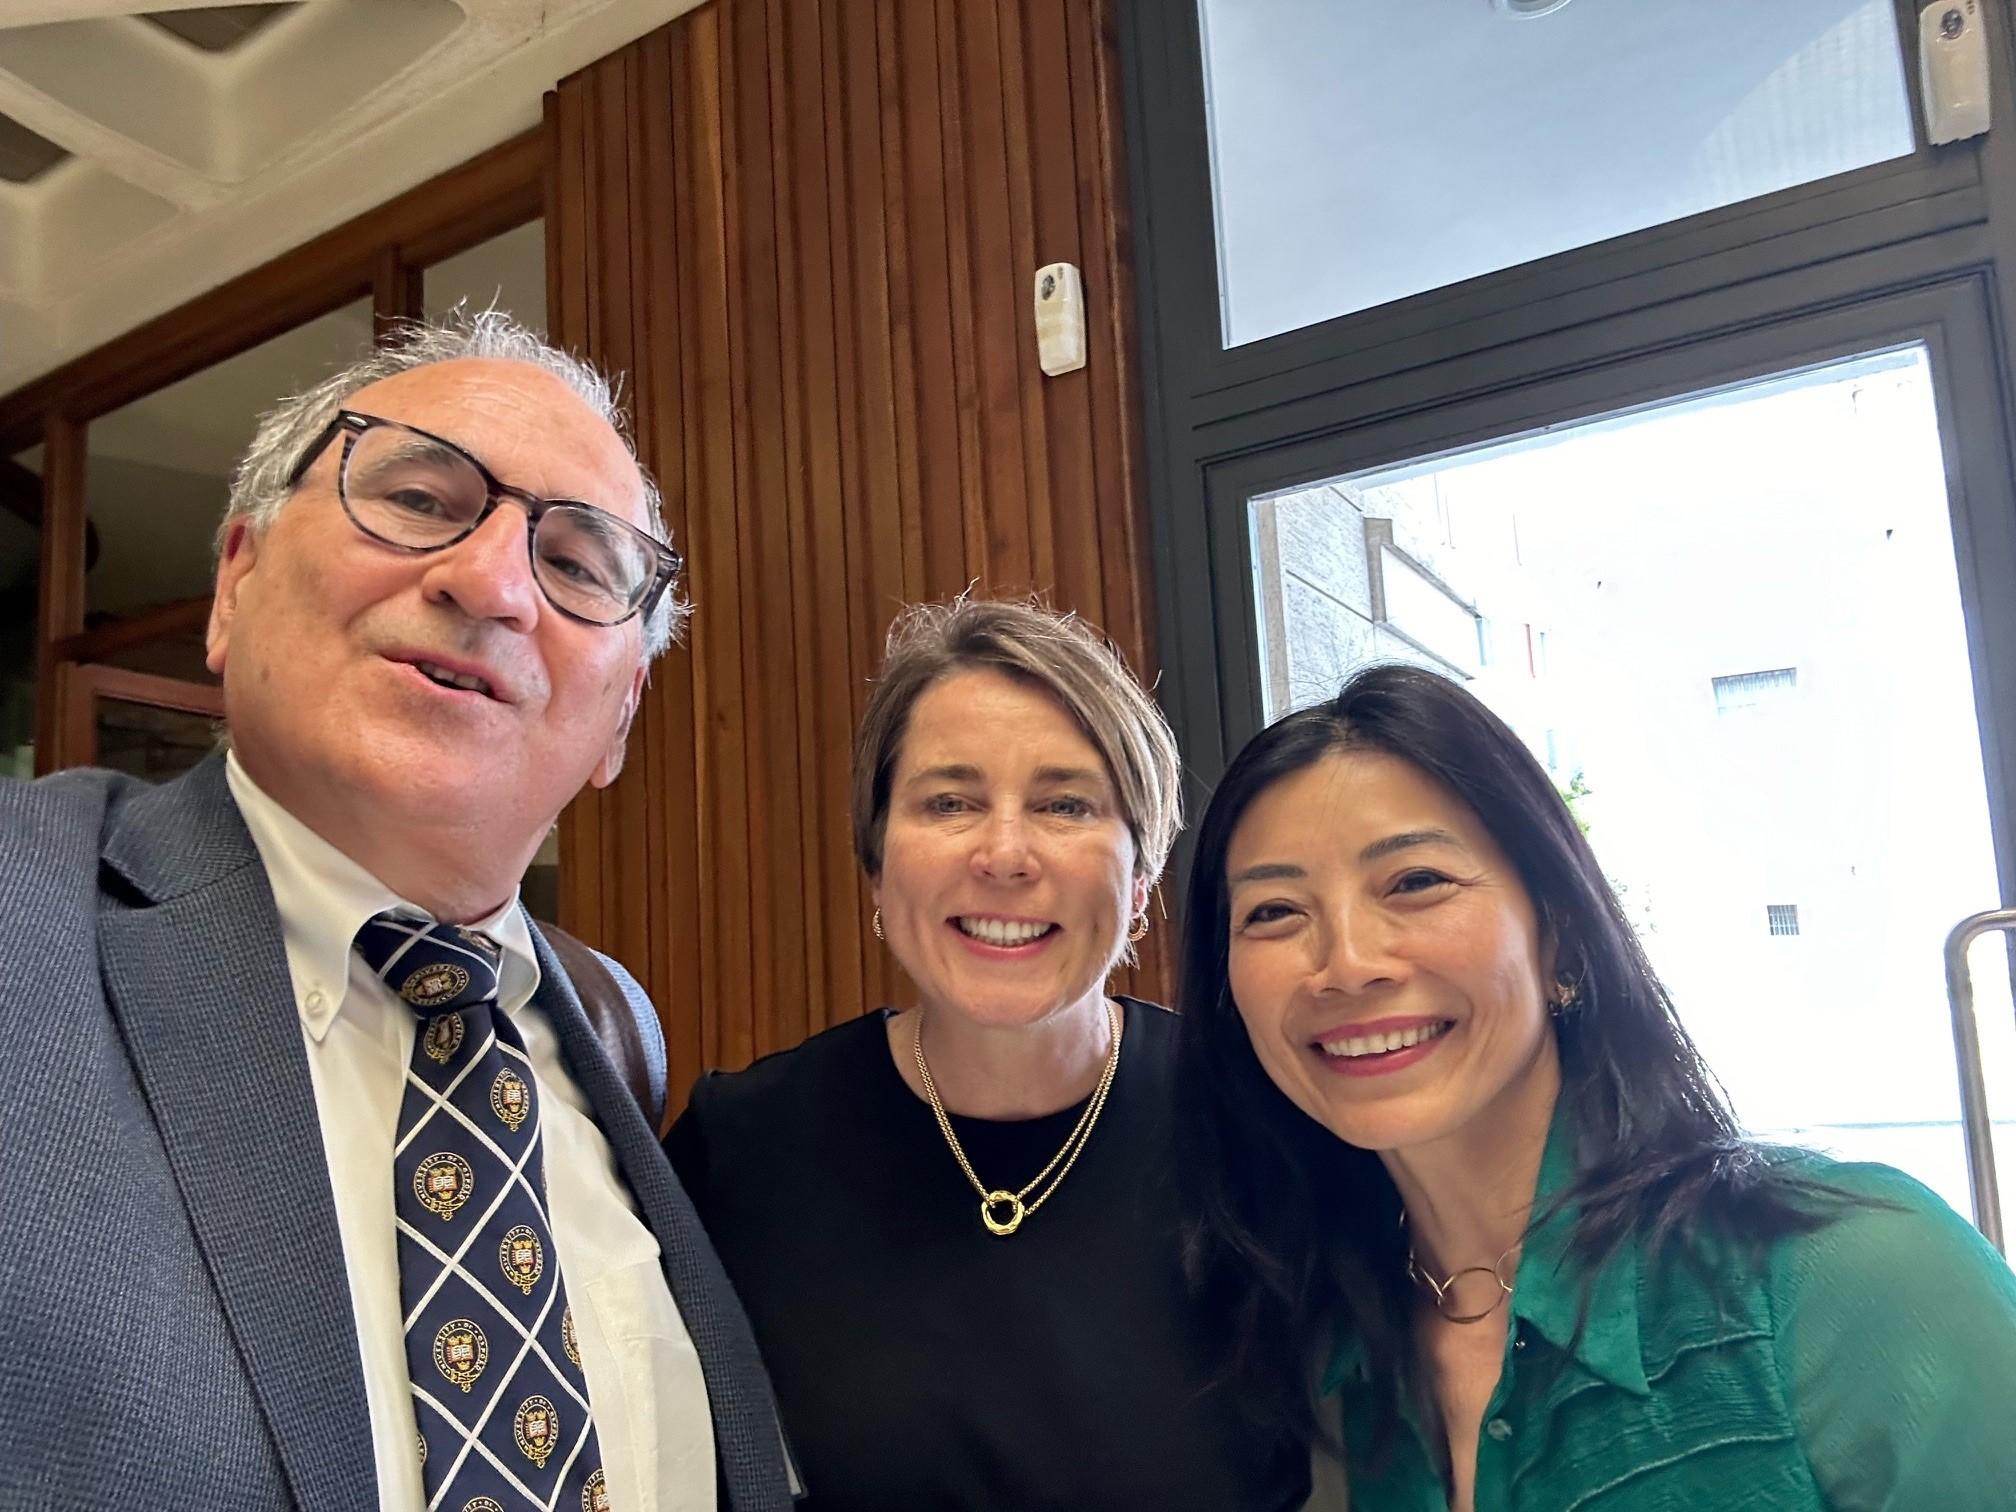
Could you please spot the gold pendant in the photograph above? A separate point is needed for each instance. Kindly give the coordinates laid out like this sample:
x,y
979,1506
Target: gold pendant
x,y
997,1226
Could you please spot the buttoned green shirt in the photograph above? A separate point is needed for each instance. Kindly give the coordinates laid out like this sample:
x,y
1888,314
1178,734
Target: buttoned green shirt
x,y
1869,1364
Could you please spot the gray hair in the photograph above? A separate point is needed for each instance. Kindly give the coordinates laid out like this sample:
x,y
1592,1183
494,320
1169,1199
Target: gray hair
x,y
1058,653
259,489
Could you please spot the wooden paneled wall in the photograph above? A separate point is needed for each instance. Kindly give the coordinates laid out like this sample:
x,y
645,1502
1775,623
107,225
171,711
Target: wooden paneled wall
x,y
808,230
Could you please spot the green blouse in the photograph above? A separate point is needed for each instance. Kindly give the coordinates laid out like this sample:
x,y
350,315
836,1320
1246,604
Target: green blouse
x,y
1869,1364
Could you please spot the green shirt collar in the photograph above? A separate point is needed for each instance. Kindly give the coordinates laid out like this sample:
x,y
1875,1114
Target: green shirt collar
x,y
1547,1292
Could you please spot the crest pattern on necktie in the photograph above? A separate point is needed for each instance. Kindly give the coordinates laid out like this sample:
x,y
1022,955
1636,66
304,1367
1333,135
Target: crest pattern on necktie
x,y
496,1374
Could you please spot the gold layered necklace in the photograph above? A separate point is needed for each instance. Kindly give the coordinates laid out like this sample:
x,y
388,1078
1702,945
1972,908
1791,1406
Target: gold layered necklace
x,y
1013,1207
1444,1290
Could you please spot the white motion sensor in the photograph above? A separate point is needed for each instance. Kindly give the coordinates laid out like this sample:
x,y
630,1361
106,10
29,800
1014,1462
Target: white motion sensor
x,y
1060,319
1953,70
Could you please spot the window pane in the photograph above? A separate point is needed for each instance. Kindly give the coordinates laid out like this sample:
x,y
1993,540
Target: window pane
x,y
159,470
507,272
1365,152
1732,630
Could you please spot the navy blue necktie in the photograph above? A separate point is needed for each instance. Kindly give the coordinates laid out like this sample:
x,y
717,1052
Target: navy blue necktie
x,y
490,1346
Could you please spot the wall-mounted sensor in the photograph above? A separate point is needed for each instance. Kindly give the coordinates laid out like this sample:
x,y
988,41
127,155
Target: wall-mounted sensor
x,y
1060,319
1953,69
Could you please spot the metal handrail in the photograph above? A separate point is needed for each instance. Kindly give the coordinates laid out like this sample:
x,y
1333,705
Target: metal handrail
x,y
1974,1121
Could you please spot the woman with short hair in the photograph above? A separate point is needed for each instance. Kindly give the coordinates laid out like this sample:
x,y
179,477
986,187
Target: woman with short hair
x,y
1464,1173
955,1227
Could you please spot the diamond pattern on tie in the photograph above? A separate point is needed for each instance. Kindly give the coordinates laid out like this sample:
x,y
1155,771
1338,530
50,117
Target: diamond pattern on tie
x,y
490,1349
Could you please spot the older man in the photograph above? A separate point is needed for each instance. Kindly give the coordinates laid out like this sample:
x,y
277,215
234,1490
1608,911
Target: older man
x,y
316,1188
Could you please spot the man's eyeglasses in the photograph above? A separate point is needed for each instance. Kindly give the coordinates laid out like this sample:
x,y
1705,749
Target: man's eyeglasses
x,y
419,492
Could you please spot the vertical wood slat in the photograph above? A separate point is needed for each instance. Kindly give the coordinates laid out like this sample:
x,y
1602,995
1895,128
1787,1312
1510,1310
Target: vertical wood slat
x,y
934,416
960,276
998,289
1016,263
771,927
567,290
866,583
675,765
59,607
796,754
1070,446
1114,399
633,801
808,230
721,588
899,327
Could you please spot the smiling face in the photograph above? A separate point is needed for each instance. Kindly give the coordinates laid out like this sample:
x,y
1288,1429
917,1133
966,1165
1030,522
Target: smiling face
x,y
376,692
1384,955
1007,867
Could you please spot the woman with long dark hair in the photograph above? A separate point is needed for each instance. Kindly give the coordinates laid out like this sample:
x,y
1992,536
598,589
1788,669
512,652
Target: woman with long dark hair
x,y
1458,1163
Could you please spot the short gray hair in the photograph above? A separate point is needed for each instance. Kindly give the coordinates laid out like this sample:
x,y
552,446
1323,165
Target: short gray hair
x,y
259,488
1058,653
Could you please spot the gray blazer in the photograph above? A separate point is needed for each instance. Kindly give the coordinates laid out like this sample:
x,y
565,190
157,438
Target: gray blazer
x,y
175,1323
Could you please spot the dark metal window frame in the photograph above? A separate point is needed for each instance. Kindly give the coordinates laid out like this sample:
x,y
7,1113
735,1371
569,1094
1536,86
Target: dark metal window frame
x,y
1919,248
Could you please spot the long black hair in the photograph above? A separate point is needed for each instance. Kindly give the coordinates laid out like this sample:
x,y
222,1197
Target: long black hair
x,y
1296,1232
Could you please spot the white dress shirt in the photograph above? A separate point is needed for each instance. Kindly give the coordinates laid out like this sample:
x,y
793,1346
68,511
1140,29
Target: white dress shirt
x,y
644,1380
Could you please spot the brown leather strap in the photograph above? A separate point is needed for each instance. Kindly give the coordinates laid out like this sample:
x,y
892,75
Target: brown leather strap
x,y
609,1015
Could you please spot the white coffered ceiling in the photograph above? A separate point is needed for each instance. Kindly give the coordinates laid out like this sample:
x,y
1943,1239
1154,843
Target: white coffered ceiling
x,y
152,149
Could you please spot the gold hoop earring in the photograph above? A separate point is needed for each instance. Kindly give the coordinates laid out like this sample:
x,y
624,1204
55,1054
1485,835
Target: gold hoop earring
x,y
1140,930
876,924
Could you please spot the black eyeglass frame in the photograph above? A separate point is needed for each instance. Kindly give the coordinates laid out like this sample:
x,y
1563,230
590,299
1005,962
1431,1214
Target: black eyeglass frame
x,y
352,425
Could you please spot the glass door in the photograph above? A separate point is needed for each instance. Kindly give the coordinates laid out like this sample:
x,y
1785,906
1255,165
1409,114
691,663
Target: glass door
x,y
141,723
1750,611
